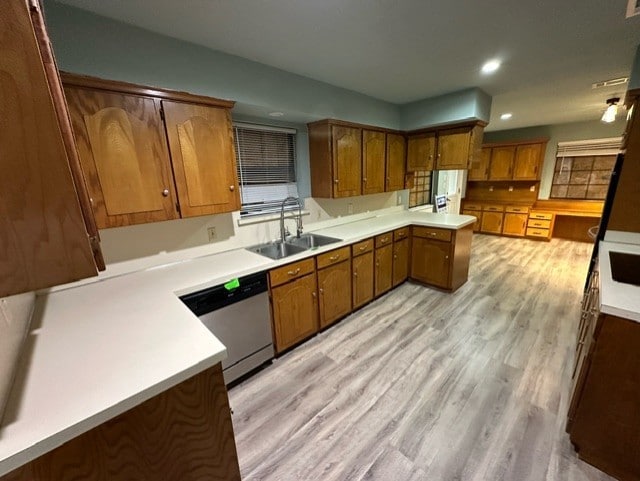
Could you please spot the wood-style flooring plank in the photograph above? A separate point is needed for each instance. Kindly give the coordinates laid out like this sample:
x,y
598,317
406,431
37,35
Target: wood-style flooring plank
x,y
425,385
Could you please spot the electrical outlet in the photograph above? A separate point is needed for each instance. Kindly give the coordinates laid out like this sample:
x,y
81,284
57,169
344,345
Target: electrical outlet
x,y
350,208
532,188
510,188
399,199
211,231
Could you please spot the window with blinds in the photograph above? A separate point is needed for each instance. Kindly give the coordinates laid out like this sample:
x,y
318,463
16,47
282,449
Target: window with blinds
x,y
266,167
583,168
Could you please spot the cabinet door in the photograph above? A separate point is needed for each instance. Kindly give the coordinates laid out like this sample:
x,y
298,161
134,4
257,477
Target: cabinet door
x,y
501,165
295,311
400,261
526,165
515,224
373,161
477,215
453,149
43,236
491,222
203,158
396,156
124,156
362,279
430,261
480,169
420,151
383,278
334,289
347,161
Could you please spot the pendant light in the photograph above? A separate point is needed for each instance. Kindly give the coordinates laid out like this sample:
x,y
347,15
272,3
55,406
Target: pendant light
x,y
612,110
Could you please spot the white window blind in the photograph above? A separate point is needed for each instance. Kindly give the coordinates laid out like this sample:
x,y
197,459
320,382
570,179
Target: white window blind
x,y
266,167
589,148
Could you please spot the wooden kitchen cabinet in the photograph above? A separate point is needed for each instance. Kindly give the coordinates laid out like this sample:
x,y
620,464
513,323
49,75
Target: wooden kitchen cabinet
x,y
603,418
421,149
334,285
492,219
527,161
400,261
383,257
335,152
515,221
203,158
458,147
540,225
373,161
480,169
396,157
501,165
294,306
476,211
47,230
122,141
124,156
362,267
184,433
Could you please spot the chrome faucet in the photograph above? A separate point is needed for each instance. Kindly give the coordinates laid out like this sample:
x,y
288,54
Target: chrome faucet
x,y
298,218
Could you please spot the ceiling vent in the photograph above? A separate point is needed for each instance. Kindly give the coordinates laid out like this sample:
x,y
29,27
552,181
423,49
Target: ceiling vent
x,y
612,82
633,8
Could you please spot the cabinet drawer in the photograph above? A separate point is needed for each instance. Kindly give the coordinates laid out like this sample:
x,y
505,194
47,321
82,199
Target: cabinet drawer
x,y
472,206
384,239
533,232
493,207
400,234
517,209
432,233
333,257
542,224
361,247
541,215
291,271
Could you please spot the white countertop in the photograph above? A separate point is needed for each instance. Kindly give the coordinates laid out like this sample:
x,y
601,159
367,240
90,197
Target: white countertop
x,y
617,298
97,350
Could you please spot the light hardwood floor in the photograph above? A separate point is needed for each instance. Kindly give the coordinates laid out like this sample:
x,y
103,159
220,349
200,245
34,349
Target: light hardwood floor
x,y
425,385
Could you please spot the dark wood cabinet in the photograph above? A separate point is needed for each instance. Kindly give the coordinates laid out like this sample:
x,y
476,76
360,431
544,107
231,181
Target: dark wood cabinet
x,y
492,219
480,168
501,164
421,149
400,261
334,285
48,235
527,162
362,267
383,257
396,156
520,161
374,157
515,221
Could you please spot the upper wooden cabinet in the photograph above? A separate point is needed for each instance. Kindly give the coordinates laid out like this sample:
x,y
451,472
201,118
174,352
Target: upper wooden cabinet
x,y
122,132
47,232
421,149
373,161
124,156
203,158
455,148
510,161
396,157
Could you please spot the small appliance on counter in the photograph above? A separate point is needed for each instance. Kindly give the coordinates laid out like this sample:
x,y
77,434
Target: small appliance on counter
x,y
237,313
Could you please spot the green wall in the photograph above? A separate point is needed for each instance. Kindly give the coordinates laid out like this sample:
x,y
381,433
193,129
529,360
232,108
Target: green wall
x,y
593,129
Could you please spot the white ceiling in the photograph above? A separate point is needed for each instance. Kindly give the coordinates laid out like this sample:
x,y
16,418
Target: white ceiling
x,y
406,50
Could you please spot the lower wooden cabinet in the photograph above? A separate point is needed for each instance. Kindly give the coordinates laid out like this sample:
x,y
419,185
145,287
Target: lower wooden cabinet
x,y
604,419
294,306
515,224
440,257
491,222
540,225
383,257
362,267
334,285
400,261
475,213
183,433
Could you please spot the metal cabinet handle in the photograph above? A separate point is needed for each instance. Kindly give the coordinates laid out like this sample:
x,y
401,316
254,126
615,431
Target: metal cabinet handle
x,y
314,294
355,274
384,239
294,273
334,258
395,256
433,234
165,193
446,257
335,181
232,188
321,291
364,247
364,179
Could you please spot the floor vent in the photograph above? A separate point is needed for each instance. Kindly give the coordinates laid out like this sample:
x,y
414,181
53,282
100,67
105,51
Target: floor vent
x,y
611,82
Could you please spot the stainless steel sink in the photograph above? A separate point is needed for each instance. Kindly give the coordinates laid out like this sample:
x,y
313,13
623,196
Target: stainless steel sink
x,y
309,241
277,250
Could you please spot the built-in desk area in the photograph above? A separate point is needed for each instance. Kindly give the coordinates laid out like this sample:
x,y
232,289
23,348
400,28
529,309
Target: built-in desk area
x,y
573,218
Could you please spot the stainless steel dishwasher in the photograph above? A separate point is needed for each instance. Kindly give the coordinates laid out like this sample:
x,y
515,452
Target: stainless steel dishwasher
x,y
237,313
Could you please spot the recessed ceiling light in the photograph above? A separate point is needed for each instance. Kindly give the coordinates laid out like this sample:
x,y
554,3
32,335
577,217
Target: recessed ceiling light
x,y
506,116
276,114
491,66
